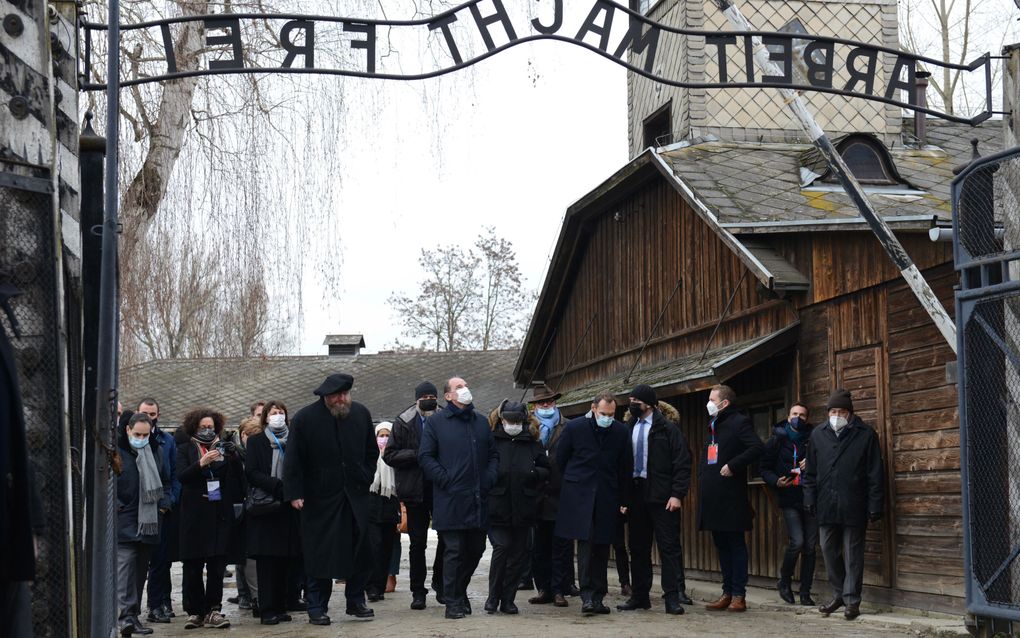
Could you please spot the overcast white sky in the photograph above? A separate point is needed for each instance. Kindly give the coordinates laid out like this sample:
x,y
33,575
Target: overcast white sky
x,y
528,132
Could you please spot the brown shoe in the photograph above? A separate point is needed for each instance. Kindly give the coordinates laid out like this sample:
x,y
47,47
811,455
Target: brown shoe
x,y
560,601
739,603
543,598
721,604
852,611
831,606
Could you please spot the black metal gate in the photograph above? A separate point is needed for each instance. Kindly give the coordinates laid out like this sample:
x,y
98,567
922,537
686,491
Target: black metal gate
x,y
986,245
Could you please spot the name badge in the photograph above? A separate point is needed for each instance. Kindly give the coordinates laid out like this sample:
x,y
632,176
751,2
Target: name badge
x,y
713,453
795,472
212,489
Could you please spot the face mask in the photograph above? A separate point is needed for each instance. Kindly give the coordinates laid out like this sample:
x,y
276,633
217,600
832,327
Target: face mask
x,y
138,443
206,435
603,421
636,410
794,422
427,405
155,425
381,441
837,423
464,396
712,408
546,413
277,421
513,429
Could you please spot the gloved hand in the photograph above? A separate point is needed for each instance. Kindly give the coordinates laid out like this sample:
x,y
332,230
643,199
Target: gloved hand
x,y
874,516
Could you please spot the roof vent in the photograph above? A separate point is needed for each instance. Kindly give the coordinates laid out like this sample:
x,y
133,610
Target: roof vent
x,y
344,345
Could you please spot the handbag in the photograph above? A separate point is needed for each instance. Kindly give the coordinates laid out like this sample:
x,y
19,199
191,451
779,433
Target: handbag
x,y
259,502
402,525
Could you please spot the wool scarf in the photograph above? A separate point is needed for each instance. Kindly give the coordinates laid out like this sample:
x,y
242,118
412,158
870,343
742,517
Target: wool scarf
x,y
150,488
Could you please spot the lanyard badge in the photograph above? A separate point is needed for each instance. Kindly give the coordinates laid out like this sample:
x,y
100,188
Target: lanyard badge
x,y
713,448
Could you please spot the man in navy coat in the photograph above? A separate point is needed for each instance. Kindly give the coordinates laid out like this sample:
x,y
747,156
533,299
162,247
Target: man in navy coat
x,y
594,455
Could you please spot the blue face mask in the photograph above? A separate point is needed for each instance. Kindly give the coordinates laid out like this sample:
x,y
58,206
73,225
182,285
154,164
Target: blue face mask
x,y
546,413
603,421
795,422
138,443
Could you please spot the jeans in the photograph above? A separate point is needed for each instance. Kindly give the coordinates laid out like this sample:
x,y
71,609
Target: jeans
x,y
419,516
803,532
843,549
732,549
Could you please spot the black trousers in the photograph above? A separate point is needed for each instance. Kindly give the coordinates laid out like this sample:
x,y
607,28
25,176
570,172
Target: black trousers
x,y
273,583
593,566
199,598
464,548
159,586
553,560
507,566
382,536
620,550
419,516
648,520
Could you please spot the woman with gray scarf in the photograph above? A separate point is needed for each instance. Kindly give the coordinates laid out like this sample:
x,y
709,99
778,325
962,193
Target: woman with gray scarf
x,y
273,537
143,495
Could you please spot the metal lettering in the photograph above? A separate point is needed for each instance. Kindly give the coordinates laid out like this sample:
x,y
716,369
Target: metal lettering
x,y
638,43
720,41
231,37
484,22
785,57
907,85
557,20
591,26
294,50
368,44
444,23
819,73
867,76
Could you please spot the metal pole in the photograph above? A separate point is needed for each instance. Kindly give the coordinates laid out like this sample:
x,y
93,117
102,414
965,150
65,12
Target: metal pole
x,y
885,236
103,577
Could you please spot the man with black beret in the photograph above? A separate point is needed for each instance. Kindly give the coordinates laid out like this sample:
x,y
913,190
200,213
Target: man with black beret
x,y
843,489
329,466
415,491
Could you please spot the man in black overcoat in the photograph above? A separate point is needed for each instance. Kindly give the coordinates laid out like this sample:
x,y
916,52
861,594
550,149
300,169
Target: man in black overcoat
x,y
330,464
594,454
843,489
662,475
723,504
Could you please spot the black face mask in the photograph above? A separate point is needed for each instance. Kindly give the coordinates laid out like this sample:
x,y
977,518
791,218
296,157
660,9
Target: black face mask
x,y
155,425
206,435
427,405
636,410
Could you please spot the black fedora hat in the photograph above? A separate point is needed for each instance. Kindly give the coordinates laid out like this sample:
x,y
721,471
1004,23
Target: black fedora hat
x,y
334,383
543,393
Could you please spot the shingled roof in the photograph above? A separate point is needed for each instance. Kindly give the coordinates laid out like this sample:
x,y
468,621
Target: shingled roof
x,y
384,382
756,187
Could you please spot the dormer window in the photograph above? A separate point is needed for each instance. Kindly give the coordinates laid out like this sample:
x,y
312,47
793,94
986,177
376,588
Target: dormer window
x,y
868,161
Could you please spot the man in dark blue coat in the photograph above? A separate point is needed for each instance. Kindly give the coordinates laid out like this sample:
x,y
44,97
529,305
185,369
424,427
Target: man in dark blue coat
x,y
458,455
594,455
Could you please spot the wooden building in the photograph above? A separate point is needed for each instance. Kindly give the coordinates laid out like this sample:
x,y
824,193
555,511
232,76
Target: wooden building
x,y
723,252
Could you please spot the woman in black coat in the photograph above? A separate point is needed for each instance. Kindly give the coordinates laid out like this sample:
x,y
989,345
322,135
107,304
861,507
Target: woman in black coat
x,y
212,493
514,501
273,538
383,517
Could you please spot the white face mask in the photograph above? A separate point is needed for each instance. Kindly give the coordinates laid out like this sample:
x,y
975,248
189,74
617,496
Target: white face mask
x,y
712,408
837,423
464,396
277,420
513,429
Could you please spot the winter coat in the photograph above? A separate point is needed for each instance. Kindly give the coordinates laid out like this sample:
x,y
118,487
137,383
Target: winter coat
x,y
515,499
383,510
844,478
669,458
331,465
778,460
168,451
401,454
458,454
551,502
128,488
277,533
597,466
723,503
209,528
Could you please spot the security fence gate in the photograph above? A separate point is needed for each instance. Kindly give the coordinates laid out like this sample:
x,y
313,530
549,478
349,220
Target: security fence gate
x,y
986,245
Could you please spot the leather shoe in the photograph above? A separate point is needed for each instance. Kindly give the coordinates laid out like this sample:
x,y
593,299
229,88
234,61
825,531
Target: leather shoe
x,y
526,585
559,600
852,611
601,608
739,603
417,601
158,615
631,604
509,608
626,590
785,591
454,612
126,628
374,597
269,620
684,599
319,620
168,609
139,628
574,591
721,604
490,606
674,608
543,598
359,610
588,608
831,606
284,618
244,602
465,605
807,600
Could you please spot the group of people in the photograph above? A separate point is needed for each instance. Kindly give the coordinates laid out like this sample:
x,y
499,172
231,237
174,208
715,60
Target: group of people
x,y
296,503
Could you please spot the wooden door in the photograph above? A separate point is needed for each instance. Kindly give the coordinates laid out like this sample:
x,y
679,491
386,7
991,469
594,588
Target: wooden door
x,y
862,372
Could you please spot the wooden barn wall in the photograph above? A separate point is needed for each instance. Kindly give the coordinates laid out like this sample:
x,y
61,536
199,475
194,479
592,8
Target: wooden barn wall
x,y
627,272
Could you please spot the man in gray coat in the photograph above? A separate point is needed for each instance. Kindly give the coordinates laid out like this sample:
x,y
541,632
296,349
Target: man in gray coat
x,y
843,488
